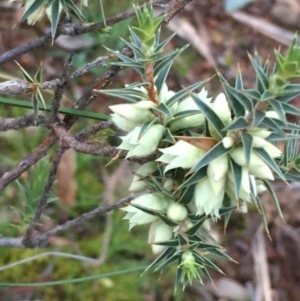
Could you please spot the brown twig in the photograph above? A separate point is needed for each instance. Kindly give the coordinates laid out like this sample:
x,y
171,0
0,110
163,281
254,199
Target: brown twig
x,y
23,122
40,240
68,29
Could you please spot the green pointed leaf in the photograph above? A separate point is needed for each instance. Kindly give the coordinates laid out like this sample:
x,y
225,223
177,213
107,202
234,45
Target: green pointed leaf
x,y
264,218
127,93
225,210
274,196
31,9
187,194
169,137
262,79
135,39
178,279
237,174
163,44
266,96
290,109
35,104
194,178
238,124
168,262
239,80
75,10
38,76
193,230
206,274
161,188
292,177
247,145
163,109
205,261
185,92
212,117
40,97
270,123
279,137
288,96
217,151
146,126
171,243
240,97
163,255
252,94
258,117
166,220
278,108
269,161
26,76
221,254
54,17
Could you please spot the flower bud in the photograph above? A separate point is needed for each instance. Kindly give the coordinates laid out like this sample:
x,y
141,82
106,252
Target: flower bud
x,y
259,142
259,132
262,172
154,201
149,141
137,182
238,156
221,108
177,212
123,123
272,114
133,113
272,150
228,142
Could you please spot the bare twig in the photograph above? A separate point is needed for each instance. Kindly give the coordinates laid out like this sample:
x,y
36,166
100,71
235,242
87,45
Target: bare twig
x,y
23,122
68,29
64,78
40,240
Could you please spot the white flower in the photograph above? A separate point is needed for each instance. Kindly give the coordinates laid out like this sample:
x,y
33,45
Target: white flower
x,y
137,182
263,133
238,156
193,120
216,172
206,200
227,142
221,107
123,123
146,144
262,172
159,232
154,201
272,114
181,154
177,212
135,114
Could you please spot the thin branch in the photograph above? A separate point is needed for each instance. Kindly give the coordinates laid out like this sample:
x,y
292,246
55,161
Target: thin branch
x,y
43,201
40,240
23,122
59,91
68,29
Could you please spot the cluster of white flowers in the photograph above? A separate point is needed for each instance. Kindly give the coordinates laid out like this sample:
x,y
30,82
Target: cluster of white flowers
x,y
210,191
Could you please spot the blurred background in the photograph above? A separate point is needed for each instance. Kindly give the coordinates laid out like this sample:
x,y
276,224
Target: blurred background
x,y
219,40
